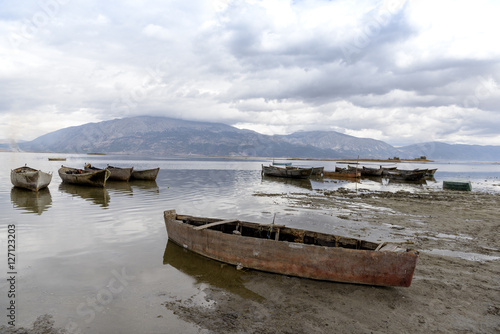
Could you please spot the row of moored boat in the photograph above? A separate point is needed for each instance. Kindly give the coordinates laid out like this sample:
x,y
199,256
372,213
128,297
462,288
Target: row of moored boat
x,y
34,179
348,172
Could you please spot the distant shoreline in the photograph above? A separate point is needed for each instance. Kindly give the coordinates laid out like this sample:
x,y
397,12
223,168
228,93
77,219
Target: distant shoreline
x,y
352,161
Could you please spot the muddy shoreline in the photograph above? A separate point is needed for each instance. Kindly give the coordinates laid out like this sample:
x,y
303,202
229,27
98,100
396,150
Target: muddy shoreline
x,y
456,286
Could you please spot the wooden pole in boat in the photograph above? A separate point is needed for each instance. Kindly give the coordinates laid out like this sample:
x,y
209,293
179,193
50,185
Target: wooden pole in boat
x,y
271,228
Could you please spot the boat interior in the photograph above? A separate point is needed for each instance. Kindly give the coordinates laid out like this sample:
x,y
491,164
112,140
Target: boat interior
x,y
277,232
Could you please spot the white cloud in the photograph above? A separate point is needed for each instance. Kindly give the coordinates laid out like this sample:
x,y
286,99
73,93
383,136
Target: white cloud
x,y
399,71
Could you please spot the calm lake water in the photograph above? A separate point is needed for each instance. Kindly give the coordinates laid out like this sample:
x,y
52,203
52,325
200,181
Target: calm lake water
x,y
99,261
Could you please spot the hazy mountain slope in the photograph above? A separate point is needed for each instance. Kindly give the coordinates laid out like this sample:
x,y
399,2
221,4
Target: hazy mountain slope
x,y
163,136
457,152
166,136
344,145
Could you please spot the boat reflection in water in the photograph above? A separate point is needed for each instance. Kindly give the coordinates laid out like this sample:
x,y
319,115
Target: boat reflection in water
x,y
96,195
301,183
205,270
150,186
31,201
119,186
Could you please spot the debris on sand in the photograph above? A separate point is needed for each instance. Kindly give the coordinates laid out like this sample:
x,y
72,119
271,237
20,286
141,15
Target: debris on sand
x,y
44,324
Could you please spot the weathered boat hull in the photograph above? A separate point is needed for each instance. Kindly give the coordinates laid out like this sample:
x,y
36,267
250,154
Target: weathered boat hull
x,y
84,177
147,174
317,171
367,171
406,175
30,178
454,185
120,174
291,172
322,261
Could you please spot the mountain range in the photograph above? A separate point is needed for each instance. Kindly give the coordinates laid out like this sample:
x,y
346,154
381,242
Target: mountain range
x,y
162,136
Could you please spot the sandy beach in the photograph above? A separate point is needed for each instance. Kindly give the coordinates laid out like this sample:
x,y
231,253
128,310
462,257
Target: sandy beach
x,y
456,286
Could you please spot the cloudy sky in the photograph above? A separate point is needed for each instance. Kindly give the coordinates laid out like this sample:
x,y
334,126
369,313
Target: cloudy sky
x,y
399,71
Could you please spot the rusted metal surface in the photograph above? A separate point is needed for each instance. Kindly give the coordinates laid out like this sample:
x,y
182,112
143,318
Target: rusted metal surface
x,y
384,268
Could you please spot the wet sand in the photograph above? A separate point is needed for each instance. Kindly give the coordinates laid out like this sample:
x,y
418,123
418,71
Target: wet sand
x,y
456,286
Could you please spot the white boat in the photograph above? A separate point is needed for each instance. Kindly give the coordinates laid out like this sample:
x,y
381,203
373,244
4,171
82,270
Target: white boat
x,y
30,178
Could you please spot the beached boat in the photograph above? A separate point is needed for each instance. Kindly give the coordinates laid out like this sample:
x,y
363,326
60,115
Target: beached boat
x,y
296,252
317,171
456,185
369,171
147,174
405,175
431,172
95,178
30,178
287,171
385,170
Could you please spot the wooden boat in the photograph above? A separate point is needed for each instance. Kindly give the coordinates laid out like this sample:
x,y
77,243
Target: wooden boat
x,y
287,171
120,174
385,170
404,175
30,178
117,173
290,251
369,171
456,185
431,172
147,174
317,171
57,159
95,178
342,175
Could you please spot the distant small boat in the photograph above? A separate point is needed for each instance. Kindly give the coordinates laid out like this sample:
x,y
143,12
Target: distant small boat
x,y
146,174
57,159
287,171
95,178
292,251
30,178
455,185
